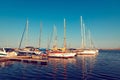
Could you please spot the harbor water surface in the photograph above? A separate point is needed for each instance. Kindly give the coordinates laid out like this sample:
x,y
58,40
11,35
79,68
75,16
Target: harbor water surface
x,y
104,66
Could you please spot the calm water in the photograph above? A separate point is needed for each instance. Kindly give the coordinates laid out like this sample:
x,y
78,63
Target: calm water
x,y
104,66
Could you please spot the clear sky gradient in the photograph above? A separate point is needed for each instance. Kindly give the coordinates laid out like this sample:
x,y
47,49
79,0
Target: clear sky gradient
x,y
102,17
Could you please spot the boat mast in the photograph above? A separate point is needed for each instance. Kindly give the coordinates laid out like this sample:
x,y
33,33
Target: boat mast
x,y
91,41
27,33
84,36
55,37
25,30
64,34
40,35
49,39
48,42
82,42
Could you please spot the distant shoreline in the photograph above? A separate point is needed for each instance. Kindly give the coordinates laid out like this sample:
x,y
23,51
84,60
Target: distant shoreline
x,y
110,49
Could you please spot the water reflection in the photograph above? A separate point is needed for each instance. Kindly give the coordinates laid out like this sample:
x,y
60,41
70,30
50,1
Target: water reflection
x,y
79,68
86,64
60,67
82,67
6,63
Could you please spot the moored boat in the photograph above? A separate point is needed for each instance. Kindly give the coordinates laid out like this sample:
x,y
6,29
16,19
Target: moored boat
x,y
64,52
88,52
61,54
84,50
7,52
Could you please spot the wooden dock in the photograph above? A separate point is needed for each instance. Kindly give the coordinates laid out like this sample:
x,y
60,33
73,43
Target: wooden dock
x,y
4,59
26,59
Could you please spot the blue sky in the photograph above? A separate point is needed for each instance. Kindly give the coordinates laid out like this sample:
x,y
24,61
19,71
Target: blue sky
x,y
102,17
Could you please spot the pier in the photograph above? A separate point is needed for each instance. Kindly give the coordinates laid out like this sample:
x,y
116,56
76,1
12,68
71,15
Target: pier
x,y
27,59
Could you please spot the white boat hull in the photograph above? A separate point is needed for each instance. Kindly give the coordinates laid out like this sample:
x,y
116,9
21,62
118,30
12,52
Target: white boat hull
x,y
8,54
61,55
88,52
30,52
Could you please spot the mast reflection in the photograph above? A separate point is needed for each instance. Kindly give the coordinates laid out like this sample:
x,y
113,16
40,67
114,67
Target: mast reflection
x,y
6,63
60,66
86,64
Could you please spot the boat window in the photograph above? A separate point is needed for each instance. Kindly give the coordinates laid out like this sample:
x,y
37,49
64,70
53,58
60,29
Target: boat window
x,y
9,49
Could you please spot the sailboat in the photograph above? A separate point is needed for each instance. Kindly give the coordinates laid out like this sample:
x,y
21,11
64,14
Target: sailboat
x,y
63,53
84,50
27,49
